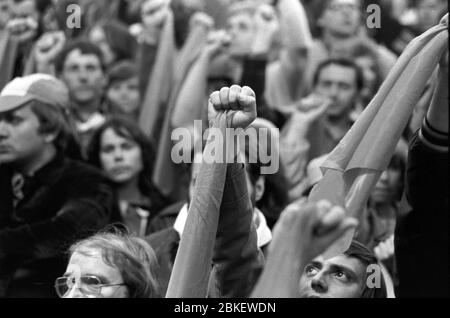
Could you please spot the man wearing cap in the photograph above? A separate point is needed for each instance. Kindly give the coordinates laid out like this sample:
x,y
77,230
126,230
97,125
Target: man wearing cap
x,y
46,199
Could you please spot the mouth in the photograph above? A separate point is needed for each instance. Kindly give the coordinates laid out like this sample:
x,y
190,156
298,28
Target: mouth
x,y
4,149
119,170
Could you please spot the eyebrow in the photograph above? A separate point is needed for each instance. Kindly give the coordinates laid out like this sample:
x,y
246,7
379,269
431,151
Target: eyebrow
x,y
342,268
102,278
316,264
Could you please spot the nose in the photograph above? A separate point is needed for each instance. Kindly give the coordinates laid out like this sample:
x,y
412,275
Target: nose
x,y
83,75
319,284
384,177
74,293
118,155
3,130
333,92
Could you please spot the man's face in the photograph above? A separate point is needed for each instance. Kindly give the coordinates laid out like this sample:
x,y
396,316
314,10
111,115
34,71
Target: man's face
x,y
242,31
338,277
5,12
84,77
20,139
338,83
342,17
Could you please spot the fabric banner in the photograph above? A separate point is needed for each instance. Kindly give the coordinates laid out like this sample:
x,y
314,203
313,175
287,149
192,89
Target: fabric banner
x,y
355,165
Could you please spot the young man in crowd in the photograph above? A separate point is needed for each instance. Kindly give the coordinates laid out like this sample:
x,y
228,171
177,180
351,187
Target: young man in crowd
x,y
295,267
291,77
80,66
321,120
46,199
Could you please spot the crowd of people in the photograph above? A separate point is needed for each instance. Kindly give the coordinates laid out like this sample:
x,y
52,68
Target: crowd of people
x,y
92,203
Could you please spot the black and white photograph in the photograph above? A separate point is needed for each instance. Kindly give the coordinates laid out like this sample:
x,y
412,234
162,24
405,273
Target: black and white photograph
x,y
241,151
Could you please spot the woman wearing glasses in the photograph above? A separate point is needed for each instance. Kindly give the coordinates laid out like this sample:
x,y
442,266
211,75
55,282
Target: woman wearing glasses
x,y
110,265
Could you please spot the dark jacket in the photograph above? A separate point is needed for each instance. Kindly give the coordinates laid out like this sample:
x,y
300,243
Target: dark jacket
x,y
63,202
421,239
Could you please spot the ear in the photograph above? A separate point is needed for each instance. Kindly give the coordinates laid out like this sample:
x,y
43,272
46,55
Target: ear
x,y
260,187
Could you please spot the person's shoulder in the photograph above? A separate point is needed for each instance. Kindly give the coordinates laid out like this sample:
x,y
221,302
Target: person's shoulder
x,y
79,170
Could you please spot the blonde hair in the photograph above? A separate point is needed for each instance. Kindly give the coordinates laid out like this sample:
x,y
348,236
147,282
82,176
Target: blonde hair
x,y
132,256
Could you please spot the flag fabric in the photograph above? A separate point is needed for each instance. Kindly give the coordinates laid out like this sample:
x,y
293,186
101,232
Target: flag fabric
x,y
160,83
8,55
166,173
355,165
193,263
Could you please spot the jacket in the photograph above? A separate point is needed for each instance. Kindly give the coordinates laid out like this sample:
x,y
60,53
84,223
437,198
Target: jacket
x,y
63,202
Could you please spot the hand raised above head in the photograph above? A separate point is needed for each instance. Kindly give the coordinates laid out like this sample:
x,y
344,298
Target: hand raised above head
x,y
238,103
154,13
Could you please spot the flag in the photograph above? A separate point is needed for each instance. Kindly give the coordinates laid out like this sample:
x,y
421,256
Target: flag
x,y
193,263
166,173
160,83
8,55
355,165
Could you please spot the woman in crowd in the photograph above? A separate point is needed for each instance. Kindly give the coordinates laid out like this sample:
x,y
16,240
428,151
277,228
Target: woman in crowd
x,y
125,155
122,92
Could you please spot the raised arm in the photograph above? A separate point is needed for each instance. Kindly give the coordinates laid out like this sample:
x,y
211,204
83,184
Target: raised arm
x,y
233,107
303,232
237,259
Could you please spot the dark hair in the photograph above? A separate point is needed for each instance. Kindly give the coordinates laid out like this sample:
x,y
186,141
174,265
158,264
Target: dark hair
x,y
122,71
343,63
121,42
367,258
275,197
129,130
54,120
85,48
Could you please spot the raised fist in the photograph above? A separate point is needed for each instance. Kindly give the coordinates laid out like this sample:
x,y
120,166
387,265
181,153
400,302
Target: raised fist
x,y
201,19
49,45
154,13
309,229
238,103
23,29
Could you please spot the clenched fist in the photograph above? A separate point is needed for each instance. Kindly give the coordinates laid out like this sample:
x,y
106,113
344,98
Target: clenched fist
x,y
238,103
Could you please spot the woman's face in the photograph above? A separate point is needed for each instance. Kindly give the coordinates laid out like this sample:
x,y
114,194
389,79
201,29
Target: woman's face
x,y
125,96
98,37
120,158
388,186
86,269
368,66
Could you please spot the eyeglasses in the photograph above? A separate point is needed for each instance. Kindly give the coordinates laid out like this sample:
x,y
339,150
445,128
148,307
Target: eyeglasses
x,y
89,286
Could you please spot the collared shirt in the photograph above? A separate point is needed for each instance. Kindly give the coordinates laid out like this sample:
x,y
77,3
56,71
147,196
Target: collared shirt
x,y
264,234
